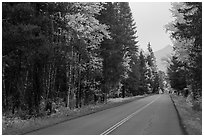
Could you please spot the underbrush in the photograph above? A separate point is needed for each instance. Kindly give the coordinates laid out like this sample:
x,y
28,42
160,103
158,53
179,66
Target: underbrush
x,y
21,124
190,113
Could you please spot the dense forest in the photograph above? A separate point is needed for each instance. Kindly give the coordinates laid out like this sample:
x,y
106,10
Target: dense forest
x,y
72,55
185,69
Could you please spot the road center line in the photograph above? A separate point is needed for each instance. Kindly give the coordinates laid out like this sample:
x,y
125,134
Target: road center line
x,y
109,130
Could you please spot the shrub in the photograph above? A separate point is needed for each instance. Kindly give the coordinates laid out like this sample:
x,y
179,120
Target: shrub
x,y
197,105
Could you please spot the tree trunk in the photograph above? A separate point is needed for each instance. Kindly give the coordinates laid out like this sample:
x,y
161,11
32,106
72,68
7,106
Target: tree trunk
x,y
123,92
48,105
4,97
37,85
79,81
69,76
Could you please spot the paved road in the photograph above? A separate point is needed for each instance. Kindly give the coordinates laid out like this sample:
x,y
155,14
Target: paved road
x,y
153,115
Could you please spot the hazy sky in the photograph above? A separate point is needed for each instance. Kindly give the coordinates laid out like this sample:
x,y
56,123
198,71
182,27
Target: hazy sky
x,y
150,18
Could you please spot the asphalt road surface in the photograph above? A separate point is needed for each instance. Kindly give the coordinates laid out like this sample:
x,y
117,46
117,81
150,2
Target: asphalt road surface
x,y
153,115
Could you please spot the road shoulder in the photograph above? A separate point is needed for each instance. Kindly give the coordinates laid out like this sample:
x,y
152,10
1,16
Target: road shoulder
x,y
189,119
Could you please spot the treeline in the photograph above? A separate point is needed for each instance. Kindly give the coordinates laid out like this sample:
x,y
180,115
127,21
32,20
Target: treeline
x,y
71,54
185,70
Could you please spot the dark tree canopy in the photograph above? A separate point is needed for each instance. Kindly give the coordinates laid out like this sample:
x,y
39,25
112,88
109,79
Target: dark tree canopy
x,y
69,54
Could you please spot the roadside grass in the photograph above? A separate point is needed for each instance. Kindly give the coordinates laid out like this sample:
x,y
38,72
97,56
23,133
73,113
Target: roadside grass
x,y
191,119
17,126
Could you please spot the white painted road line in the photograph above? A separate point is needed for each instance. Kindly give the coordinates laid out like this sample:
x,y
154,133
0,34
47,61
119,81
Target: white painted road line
x,y
109,130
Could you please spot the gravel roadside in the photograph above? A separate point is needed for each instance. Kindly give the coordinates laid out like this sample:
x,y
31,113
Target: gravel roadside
x,y
190,120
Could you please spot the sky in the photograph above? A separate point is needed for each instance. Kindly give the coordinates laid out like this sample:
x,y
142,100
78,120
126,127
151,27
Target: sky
x,y
150,18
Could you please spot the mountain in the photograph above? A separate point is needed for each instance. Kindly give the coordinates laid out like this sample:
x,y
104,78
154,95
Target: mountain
x,y
161,54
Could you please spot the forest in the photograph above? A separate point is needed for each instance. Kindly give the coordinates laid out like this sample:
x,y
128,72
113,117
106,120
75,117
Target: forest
x,y
185,65
71,55
75,54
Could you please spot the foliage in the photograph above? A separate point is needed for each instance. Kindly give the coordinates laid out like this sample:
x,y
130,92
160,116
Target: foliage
x,y
153,78
46,48
176,74
162,79
64,54
186,32
118,51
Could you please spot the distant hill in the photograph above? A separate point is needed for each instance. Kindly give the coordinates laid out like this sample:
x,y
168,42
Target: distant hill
x,y
163,53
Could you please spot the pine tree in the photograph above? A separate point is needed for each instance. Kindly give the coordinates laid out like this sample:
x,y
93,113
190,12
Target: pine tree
x,y
127,38
162,79
108,50
143,71
186,32
176,74
118,51
153,77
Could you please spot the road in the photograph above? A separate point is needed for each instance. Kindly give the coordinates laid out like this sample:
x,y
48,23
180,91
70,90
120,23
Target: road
x,y
152,115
